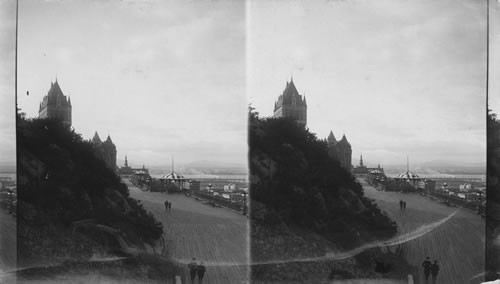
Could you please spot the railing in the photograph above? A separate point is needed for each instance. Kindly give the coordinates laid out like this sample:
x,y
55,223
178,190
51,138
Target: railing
x,y
219,200
455,200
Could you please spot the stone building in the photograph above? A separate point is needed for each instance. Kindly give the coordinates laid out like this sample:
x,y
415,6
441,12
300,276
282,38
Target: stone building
x,y
56,105
105,150
291,104
340,150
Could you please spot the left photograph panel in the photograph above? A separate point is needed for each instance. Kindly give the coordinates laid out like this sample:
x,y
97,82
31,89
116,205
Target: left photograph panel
x,y
131,142
8,190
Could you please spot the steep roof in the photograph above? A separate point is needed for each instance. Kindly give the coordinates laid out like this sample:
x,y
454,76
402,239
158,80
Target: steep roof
x,y
108,144
290,89
344,140
108,140
96,138
56,95
331,138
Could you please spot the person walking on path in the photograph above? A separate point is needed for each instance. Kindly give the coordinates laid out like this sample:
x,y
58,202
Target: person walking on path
x,y
166,205
427,268
404,205
201,272
434,271
193,267
169,206
400,204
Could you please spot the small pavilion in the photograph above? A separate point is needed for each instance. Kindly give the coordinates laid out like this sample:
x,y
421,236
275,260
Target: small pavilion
x,y
173,178
408,177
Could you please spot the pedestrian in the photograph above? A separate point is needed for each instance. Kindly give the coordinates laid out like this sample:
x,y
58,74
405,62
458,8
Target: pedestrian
x,y
434,271
427,268
169,206
201,272
193,267
400,204
166,205
404,205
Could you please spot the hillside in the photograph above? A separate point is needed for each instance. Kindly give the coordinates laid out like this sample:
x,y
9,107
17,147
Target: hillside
x,y
70,205
297,187
493,193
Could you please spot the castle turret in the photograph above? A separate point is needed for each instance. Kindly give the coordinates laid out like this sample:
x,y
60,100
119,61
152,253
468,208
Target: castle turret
x,y
331,138
291,104
333,151
56,105
345,153
96,140
105,150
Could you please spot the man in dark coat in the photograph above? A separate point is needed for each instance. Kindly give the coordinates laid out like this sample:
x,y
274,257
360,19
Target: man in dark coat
x,y
400,204
404,205
427,268
166,205
434,271
193,267
201,272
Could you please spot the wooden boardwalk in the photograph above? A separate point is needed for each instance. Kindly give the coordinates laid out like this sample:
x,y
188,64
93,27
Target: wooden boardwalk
x,y
8,247
458,244
216,236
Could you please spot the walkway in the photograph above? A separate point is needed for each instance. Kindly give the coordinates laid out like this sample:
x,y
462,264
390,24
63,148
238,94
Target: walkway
x,y
458,244
216,236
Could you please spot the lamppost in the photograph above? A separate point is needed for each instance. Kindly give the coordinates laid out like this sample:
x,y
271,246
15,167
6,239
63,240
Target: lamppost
x,y
15,75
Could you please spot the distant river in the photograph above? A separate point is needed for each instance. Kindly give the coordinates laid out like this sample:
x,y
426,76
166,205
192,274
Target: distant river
x,y
450,176
12,176
209,176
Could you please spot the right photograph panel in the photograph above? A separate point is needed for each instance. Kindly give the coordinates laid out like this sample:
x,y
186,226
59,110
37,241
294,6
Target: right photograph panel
x,y
493,132
367,140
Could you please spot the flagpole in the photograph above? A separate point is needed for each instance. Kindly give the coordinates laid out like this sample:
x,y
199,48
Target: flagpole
x,y
15,75
487,49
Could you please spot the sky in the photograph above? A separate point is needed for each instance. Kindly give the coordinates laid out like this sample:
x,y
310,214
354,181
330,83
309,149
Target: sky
x,y
398,78
173,78
494,82
162,78
7,98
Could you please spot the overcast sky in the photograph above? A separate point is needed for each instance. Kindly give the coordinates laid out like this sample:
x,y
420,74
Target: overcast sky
x,y
7,67
161,77
397,77
494,92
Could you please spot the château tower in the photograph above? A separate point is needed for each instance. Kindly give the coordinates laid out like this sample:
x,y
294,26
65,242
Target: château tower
x,y
345,153
105,150
56,105
291,104
340,150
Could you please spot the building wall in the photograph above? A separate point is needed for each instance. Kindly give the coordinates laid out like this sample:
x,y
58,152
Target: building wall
x,y
298,113
342,153
62,113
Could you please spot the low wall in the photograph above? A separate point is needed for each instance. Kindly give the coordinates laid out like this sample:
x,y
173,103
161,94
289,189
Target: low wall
x,y
219,200
455,200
